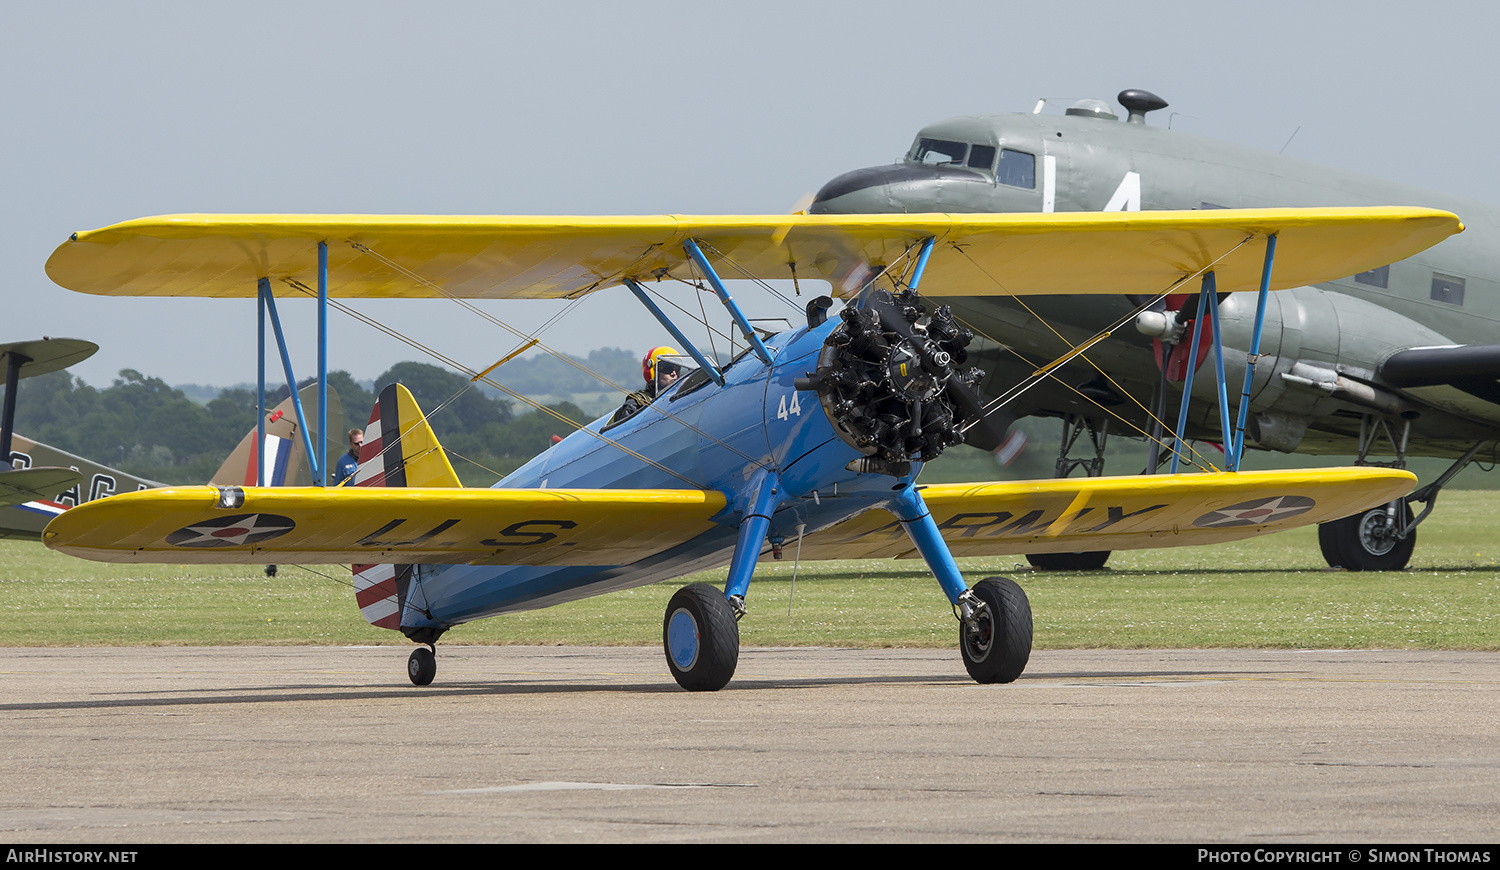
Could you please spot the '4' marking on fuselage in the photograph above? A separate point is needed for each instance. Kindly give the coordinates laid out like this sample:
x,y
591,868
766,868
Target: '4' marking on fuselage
x,y
785,411
1127,197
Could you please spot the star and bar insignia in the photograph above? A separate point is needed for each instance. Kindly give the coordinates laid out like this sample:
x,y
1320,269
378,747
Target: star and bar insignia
x,y
1257,512
236,531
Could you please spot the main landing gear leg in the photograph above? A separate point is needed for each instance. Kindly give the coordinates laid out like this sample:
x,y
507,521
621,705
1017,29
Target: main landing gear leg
x,y
701,632
1383,538
994,632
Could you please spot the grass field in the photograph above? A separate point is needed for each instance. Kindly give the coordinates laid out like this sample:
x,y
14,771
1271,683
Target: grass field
x,y
1269,592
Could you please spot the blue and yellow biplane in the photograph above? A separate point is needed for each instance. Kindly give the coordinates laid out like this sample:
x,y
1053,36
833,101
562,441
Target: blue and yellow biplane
x,y
812,437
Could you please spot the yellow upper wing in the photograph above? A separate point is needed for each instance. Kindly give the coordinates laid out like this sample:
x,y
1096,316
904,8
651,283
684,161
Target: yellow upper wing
x,y
548,257
1116,513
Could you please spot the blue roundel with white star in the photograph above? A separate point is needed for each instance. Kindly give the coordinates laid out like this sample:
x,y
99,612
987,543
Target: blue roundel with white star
x,y
236,531
1256,513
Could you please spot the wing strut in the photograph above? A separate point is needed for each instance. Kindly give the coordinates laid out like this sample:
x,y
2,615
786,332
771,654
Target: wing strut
x,y
320,478
916,276
1238,441
268,303
1221,383
14,360
691,247
317,460
661,316
1233,438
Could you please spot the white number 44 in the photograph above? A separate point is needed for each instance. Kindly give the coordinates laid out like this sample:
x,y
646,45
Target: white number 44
x,y
783,412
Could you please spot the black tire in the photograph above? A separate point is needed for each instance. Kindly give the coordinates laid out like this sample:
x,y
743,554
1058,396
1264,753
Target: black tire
x,y
701,638
1092,560
1365,542
421,667
1328,543
997,648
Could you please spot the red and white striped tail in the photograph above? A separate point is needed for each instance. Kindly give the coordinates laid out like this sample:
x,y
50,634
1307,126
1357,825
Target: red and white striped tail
x,y
379,590
399,447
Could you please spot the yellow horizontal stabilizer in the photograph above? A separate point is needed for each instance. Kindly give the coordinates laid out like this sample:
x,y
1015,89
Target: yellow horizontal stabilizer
x,y
297,525
548,257
1117,513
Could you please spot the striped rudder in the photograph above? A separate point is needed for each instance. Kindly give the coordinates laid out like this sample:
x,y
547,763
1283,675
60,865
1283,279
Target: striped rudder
x,y
380,592
399,450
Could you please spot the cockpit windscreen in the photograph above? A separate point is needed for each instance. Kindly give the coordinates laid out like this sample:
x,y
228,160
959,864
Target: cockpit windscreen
x,y
940,151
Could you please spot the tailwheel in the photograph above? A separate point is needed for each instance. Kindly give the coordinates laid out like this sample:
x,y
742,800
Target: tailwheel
x,y
422,666
1368,541
996,641
1092,560
701,638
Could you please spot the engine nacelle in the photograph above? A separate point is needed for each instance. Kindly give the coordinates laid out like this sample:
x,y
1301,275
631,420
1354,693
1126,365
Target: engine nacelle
x,y
1320,350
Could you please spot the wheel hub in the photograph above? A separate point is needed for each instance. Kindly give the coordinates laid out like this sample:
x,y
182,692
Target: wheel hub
x,y
1377,534
979,634
682,639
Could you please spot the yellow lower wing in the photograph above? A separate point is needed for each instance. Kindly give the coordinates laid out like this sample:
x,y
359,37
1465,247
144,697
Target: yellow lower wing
x,y
296,525
616,527
1117,513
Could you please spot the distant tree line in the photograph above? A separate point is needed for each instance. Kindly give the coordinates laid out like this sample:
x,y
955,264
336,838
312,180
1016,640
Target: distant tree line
x,y
548,375
146,427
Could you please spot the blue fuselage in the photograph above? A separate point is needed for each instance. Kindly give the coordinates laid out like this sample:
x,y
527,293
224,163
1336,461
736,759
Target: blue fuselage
x,y
710,437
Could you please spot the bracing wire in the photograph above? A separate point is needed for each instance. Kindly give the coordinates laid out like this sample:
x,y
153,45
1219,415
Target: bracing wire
x,y
1050,369
439,289
458,366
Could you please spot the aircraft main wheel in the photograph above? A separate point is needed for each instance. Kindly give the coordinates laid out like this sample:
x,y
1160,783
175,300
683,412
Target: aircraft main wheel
x,y
1328,543
1092,560
422,666
997,647
701,638
1367,541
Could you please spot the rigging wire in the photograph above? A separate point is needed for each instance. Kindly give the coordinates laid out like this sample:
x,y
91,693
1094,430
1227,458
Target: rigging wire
x,y
708,246
1049,370
1117,325
458,366
1176,443
702,307
552,351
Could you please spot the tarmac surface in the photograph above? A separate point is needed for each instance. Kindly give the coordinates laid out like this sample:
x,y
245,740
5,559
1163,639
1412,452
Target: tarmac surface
x,y
566,744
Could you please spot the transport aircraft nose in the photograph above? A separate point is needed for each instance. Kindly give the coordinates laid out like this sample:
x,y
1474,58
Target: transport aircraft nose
x,y
897,187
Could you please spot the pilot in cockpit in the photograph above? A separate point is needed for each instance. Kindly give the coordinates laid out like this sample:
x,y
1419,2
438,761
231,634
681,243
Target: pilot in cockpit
x,y
661,369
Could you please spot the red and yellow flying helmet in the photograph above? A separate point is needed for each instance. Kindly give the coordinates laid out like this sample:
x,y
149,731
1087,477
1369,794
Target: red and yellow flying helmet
x,y
648,364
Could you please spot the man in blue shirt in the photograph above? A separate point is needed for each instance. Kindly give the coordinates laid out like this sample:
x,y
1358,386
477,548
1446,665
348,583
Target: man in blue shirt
x,y
349,462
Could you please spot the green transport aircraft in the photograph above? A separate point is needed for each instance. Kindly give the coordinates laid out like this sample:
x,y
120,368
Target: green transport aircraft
x,y
1389,364
39,482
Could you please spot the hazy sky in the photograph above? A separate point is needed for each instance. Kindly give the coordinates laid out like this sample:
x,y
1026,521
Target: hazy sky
x,y
114,111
